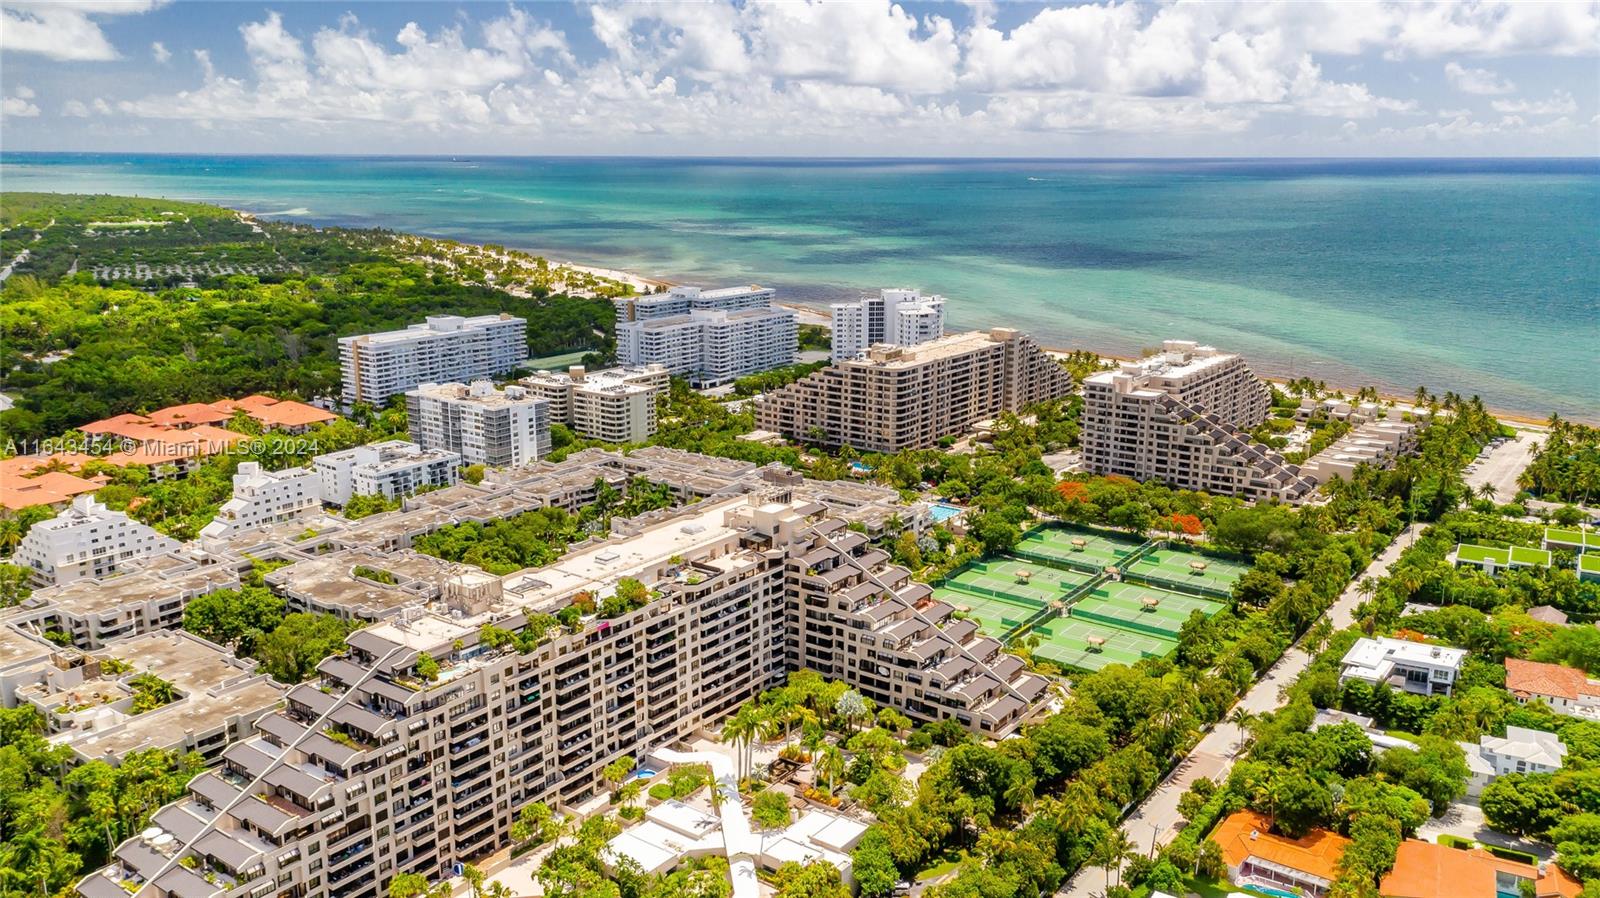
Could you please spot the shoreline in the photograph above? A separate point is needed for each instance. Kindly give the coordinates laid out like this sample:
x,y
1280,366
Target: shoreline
x,y
807,313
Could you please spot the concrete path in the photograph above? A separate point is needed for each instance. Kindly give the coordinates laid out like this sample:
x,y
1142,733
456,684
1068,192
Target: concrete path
x,y
737,840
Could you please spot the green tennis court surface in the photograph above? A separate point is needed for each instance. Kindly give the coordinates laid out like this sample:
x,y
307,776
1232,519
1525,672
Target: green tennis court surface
x,y
1010,578
1071,642
1181,568
1157,612
1080,548
995,615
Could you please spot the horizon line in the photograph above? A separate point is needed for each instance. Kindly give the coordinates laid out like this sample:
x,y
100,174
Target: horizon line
x,y
795,158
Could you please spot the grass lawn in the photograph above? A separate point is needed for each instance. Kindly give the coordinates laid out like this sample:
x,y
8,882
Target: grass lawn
x,y
947,865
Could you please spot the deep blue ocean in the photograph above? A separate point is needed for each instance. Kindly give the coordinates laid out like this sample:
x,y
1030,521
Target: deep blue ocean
x,y
1479,276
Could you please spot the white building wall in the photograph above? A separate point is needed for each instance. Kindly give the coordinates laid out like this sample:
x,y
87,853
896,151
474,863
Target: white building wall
x,y
392,468
87,540
442,349
262,498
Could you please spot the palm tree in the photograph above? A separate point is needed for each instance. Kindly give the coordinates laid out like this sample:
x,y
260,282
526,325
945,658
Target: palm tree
x,y
1487,491
1244,719
829,765
739,729
1114,848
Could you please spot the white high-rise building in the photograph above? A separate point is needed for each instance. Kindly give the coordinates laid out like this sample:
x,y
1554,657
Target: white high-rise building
x,y
444,348
1182,417
707,336
487,426
389,469
262,498
87,540
897,316
617,405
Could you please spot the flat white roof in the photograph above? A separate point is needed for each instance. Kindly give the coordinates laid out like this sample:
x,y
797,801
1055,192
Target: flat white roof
x,y
1372,654
601,565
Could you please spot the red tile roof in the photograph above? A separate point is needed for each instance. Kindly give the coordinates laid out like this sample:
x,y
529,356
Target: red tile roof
x,y
1533,678
1428,870
1246,834
188,415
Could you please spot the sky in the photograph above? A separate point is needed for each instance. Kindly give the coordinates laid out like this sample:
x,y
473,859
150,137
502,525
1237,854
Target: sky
x,y
796,78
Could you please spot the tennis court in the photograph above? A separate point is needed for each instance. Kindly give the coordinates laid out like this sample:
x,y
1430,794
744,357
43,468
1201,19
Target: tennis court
x,y
1157,612
1182,569
995,615
1072,642
1021,581
1088,549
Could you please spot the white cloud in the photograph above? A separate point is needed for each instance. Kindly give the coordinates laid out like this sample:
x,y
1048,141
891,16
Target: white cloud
x,y
1483,82
824,75
160,53
1560,103
18,105
63,31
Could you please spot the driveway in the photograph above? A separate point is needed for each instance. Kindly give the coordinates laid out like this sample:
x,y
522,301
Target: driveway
x,y
1465,820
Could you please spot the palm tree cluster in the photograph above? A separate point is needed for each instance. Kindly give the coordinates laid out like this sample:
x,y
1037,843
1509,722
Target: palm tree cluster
x,y
1567,466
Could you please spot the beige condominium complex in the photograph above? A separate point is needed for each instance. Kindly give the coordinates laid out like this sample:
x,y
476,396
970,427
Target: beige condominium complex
x,y
416,749
907,397
1180,417
617,405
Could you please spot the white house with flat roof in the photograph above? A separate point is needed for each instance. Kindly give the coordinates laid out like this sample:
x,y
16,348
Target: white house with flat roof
x,y
1415,667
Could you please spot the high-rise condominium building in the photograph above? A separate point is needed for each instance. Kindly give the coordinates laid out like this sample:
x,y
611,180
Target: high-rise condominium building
x,y
900,317
87,540
389,469
707,336
898,397
263,498
442,349
1181,417
417,748
485,425
617,405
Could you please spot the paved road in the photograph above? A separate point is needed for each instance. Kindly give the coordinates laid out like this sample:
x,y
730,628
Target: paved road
x,y
1155,821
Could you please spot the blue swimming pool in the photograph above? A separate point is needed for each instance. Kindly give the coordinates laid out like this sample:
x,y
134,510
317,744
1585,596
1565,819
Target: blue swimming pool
x,y
1269,890
643,773
942,512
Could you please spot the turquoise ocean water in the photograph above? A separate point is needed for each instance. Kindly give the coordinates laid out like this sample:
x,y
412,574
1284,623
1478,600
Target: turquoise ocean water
x,y
1480,276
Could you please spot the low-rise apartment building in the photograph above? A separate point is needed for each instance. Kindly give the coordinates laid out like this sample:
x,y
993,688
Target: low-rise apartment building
x,y
263,498
383,764
617,405
391,468
1376,444
1180,417
92,703
909,397
442,349
1416,667
95,612
87,540
898,317
486,426
709,337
